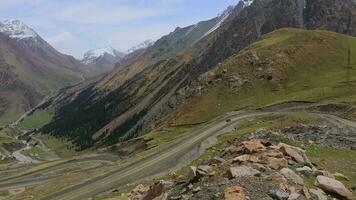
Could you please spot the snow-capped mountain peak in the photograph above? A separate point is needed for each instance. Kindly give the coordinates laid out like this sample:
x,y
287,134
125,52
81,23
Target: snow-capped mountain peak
x,y
16,29
94,54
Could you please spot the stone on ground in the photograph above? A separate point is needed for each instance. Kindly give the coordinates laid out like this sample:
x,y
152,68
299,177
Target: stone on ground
x,y
292,176
333,186
234,193
318,194
242,171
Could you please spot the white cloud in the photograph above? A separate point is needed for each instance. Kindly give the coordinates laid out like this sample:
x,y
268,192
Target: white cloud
x,y
94,13
62,37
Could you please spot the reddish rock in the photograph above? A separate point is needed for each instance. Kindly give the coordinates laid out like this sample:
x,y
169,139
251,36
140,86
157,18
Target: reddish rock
x,y
295,153
247,158
279,178
333,186
276,163
253,146
234,193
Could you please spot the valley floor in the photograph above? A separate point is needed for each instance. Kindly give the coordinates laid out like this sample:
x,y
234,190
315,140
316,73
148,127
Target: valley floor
x,y
84,176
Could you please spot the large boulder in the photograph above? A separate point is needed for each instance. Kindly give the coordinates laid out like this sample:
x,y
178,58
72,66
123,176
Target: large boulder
x,y
199,172
333,186
276,163
204,170
242,171
253,146
280,179
292,176
295,153
234,193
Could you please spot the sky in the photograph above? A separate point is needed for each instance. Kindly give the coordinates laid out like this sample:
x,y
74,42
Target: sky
x,y
76,26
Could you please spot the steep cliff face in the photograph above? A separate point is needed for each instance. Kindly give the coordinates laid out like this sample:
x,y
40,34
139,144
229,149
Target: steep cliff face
x,y
338,16
153,90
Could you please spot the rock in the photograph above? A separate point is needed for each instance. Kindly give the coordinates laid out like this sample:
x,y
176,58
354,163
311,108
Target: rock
x,y
340,176
276,163
333,186
295,153
192,174
294,196
163,196
139,192
218,159
246,158
274,154
233,149
292,176
156,190
323,173
318,194
259,167
279,194
242,171
253,146
305,170
204,170
306,193
197,189
279,178
234,193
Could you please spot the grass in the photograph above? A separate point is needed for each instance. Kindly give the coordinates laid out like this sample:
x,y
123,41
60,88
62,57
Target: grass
x,y
36,152
335,160
160,137
38,119
62,148
305,66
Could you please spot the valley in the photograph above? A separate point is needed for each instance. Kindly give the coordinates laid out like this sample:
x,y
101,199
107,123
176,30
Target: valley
x,y
257,103
113,174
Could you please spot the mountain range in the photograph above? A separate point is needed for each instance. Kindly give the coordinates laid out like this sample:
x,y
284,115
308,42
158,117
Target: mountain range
x,y
136,96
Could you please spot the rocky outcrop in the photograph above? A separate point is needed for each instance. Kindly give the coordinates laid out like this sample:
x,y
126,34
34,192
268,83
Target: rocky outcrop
x,y
238,176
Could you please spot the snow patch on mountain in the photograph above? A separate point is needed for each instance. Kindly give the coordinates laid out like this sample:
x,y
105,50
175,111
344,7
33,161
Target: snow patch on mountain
x,y
94,54
143,45
17,30
221,19
247,3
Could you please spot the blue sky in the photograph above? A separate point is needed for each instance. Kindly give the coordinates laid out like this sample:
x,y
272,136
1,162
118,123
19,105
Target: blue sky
x,y
75,26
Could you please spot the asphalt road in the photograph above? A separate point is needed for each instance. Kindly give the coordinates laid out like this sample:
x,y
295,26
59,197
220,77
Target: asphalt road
x,y
168,158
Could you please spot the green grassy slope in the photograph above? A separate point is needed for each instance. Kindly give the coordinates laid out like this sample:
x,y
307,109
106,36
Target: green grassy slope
x,y
302,65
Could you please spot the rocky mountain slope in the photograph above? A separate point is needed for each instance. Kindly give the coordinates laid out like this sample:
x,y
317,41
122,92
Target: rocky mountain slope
x,y
103,59
30,69
128,101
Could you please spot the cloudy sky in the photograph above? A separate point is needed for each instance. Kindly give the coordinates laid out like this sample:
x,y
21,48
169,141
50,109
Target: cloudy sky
x,y
75,26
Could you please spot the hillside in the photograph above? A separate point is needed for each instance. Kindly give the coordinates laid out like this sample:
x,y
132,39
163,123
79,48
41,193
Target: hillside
x,y
26,78
285,65
130,100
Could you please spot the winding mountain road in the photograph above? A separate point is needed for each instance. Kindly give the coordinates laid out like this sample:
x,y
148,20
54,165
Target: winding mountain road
x,y
169,157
